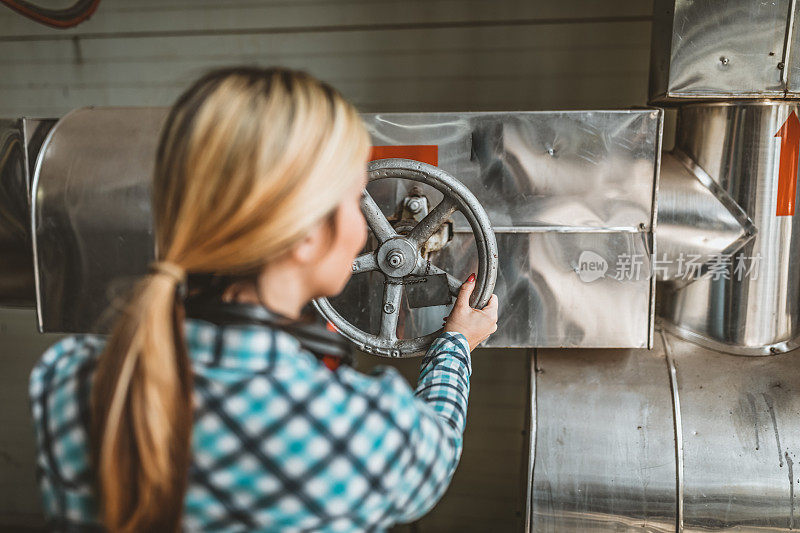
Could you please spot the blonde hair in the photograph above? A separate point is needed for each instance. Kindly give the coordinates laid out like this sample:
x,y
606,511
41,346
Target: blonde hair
x,y
249,160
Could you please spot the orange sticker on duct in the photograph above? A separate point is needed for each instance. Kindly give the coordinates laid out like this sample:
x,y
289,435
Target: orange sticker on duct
x,y
787,173
425,153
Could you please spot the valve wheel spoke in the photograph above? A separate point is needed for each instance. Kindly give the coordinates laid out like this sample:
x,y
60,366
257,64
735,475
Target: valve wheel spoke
x,y
433,221
453,283
365,263
376,220
392,293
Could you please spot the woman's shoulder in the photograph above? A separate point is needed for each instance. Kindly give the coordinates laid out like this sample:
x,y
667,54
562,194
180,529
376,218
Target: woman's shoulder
x,y
67,355
60,409
244,347
62,371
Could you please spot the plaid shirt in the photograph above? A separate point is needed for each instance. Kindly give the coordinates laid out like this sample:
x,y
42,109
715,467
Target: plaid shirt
x,y
280,442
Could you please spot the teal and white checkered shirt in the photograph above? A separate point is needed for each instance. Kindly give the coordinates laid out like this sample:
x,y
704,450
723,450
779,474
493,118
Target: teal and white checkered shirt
x,y
280,442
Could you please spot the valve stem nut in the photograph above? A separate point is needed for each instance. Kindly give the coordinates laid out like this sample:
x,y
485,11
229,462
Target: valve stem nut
x,y
395,259
414,205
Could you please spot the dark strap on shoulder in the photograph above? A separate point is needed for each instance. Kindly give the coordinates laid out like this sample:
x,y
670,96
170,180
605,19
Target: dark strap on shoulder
x,y
314,337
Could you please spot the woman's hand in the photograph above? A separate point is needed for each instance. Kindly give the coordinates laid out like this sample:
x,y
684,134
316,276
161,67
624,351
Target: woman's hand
x,y
475,324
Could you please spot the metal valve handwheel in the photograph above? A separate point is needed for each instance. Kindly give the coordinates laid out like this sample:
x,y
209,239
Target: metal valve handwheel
x,y
399,256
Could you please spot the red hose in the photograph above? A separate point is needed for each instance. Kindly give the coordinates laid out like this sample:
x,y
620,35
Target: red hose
x,y
55,18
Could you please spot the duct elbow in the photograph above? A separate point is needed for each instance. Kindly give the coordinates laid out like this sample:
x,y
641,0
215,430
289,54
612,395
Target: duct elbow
x,y
697,221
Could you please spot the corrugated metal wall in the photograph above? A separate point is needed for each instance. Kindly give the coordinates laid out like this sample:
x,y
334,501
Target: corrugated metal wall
x,y
385,55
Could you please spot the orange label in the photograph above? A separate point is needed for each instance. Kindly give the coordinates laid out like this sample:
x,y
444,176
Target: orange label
x,y
425,153
787,174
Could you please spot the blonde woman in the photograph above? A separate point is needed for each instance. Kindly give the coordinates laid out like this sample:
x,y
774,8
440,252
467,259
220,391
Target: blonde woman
x,y
176,423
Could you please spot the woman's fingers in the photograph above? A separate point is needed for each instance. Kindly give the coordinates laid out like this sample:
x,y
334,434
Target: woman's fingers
x,y
464,293
490,309
491,306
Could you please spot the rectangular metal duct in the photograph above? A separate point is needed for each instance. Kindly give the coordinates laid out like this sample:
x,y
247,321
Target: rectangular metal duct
x,y
570,195
734,49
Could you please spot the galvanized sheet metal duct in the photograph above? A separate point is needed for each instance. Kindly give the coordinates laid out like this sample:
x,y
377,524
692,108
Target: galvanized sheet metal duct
x,y
712,49
20,140
753,314
556,186
678,438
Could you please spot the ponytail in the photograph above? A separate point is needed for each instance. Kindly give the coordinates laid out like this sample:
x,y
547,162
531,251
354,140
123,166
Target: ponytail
x,y
141,410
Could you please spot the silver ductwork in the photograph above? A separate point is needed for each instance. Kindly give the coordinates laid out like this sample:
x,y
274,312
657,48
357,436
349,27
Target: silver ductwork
x,y
715,49
570,196
688,436
20,141
697,221
16,283
677,438
742,296
750,304
91,221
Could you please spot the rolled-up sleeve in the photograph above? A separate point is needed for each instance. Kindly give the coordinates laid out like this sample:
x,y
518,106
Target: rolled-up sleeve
x,y
432,419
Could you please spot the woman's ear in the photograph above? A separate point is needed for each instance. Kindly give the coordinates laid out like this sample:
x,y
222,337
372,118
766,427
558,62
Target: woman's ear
x,y
315,244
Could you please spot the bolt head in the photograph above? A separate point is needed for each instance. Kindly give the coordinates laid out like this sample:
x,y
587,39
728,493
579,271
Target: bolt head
x,y
395,259
388,308
415,206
